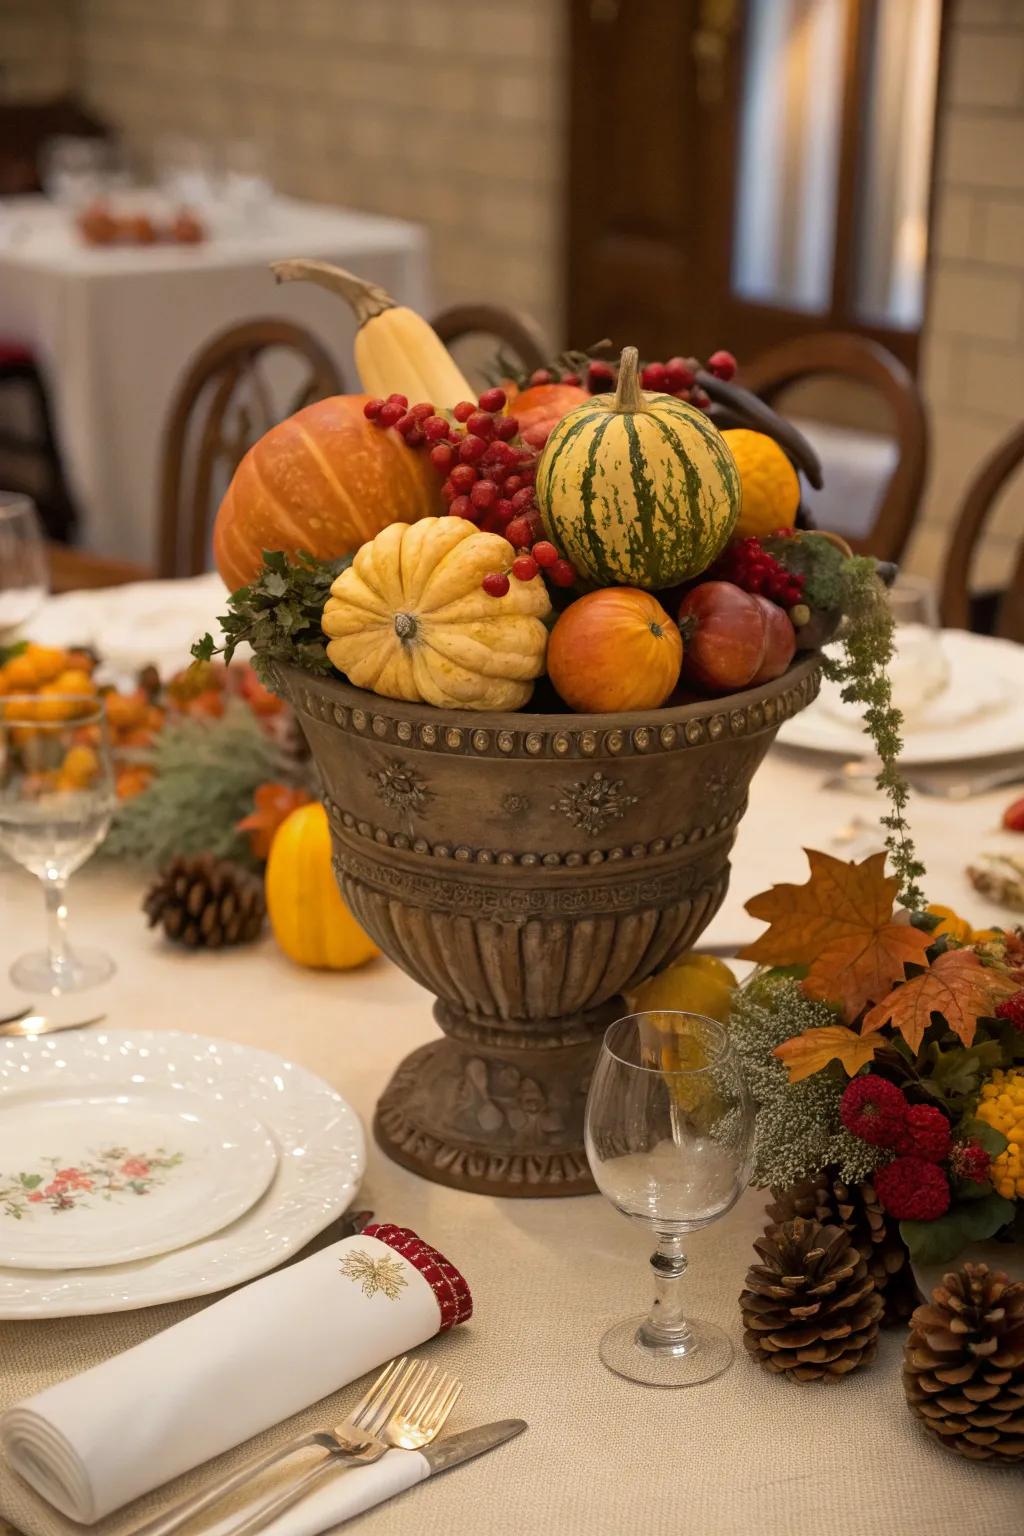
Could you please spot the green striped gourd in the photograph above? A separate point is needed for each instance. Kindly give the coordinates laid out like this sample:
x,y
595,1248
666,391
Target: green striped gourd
x,y
638,488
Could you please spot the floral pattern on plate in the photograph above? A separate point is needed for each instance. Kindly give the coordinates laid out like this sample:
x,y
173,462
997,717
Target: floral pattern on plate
x,y
114,1171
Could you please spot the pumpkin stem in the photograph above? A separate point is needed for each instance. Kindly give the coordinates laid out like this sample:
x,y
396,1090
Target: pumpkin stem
x,y
405,626
628,396
365,299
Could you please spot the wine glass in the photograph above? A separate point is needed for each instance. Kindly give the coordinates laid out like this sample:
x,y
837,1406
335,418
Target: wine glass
x,y
669,1136
919,670
24,572
56,801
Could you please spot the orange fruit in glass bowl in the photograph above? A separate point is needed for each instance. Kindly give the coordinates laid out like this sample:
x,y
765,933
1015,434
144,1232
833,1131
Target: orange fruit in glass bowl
x,y
614,649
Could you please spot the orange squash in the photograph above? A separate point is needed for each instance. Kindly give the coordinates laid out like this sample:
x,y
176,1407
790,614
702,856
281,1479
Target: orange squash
x,y
324,481
538,408
613,650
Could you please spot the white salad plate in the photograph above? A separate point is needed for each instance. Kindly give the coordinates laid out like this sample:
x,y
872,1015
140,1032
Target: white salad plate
x,y
318,1141
979,714
112,1173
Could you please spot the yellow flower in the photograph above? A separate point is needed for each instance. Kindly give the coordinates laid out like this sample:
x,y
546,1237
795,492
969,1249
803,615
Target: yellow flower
x,y
1002,1106
958,927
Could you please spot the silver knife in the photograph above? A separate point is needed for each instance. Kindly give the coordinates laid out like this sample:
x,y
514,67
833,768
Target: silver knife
x,y
455,1449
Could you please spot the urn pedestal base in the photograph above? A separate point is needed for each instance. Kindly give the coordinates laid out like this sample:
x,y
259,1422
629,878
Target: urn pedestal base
x,y
483,1111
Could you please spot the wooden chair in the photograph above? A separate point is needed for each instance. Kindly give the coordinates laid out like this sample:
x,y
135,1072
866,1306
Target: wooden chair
x,y
515,334
73,569
999,613
857,359
223,404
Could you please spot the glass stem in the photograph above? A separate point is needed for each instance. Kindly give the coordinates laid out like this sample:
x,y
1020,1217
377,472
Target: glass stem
x,y
665,1328
55,893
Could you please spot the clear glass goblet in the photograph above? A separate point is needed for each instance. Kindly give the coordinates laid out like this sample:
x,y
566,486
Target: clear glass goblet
x,y
24,570
669,1133
56,801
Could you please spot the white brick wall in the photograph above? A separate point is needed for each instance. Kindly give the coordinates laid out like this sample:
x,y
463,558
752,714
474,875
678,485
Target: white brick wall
x,y
451,111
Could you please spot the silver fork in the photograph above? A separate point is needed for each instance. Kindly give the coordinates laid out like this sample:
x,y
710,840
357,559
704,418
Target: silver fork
x,y
416,1420
354,1440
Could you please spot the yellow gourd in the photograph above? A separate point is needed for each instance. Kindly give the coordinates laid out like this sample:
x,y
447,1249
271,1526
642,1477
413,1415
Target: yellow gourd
x,y
410,620
310,921
770,484
396,351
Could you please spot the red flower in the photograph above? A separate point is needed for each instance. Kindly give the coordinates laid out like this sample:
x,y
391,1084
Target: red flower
x,y
72,1178
873,1109
54,1189
925,1133
36,1196
969,1160
135,1168
912,1190
1012,1009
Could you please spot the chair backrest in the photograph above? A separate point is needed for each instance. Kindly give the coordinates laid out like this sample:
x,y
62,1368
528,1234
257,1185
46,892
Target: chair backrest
x,y
225,402
26,126
858,359
979,501
512,333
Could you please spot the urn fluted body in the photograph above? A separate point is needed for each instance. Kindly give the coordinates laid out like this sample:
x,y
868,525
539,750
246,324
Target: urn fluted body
x,y
527,869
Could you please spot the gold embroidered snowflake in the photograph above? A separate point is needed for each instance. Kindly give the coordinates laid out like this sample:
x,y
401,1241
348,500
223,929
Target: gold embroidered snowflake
x,y
372,1275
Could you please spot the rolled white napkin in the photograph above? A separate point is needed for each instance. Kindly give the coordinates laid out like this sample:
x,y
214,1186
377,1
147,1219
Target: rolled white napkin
x,y
101,1439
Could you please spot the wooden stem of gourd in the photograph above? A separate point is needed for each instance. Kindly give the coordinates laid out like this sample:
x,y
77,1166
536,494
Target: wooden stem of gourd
x,y
628,395
365,299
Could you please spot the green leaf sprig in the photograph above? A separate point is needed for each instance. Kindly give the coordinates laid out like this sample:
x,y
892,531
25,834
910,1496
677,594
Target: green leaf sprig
x,y
278,615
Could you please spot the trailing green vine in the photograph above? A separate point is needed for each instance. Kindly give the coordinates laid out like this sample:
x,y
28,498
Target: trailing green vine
x,y
278,615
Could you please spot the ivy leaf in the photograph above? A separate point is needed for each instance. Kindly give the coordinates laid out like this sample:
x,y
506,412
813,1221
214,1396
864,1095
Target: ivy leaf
x,y
840,925
956,985
936,1242
807,1053
30,1180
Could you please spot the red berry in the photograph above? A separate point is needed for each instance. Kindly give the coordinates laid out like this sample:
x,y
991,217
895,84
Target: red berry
x,y
571,378
435,429
448,492
873,1109
422,410
600,377
506,427
464,410
519,533
562,573
406,422
504,511
654,376
493,400
463,507
542,376
402,400
522,499
544,553
442,456
414,436
1012,1008
484,494
678,374
700,398
463,477
722,364
495,583
472,449
372,408
501,455
390,412
481,425
525,567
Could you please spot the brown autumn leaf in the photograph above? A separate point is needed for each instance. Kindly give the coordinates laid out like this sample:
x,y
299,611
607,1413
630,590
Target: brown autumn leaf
x,y
840,925
806,1054
956,984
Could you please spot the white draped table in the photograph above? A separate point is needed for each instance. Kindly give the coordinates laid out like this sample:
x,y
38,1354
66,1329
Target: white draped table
x,y
746,1453
114,328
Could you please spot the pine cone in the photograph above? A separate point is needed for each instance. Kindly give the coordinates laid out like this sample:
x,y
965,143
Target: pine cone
x,y
810,1310
857,1209
963,1365
206,902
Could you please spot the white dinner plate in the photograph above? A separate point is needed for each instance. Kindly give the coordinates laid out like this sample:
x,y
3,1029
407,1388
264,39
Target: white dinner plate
x,y
317,1136
981,715
105,1175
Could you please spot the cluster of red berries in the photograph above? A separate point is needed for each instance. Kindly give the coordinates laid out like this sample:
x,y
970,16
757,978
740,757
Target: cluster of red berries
x,y
1012,1010
676,377
748,564
489,479
912,1187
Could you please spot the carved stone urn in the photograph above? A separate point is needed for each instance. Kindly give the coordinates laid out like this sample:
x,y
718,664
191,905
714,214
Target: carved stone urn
x,y
527,869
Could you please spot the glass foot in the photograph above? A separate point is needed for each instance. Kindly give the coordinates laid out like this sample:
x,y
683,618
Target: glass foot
x,y
82,968
705,1353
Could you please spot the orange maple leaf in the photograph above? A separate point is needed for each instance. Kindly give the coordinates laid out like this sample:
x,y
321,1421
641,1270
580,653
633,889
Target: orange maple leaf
x,y
806,1054
840,925
272,804
956,984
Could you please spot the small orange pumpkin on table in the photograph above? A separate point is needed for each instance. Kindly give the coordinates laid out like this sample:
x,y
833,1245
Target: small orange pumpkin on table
x,y
615,649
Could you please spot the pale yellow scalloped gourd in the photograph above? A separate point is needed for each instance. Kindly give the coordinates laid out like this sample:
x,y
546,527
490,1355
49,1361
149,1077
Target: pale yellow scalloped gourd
x,y
409,619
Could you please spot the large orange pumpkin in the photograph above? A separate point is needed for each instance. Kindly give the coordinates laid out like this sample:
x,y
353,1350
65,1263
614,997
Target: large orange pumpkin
x,y
538,408
324,481
613,650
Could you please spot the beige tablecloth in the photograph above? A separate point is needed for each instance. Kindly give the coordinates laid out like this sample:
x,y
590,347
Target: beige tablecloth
x,y
746,1453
